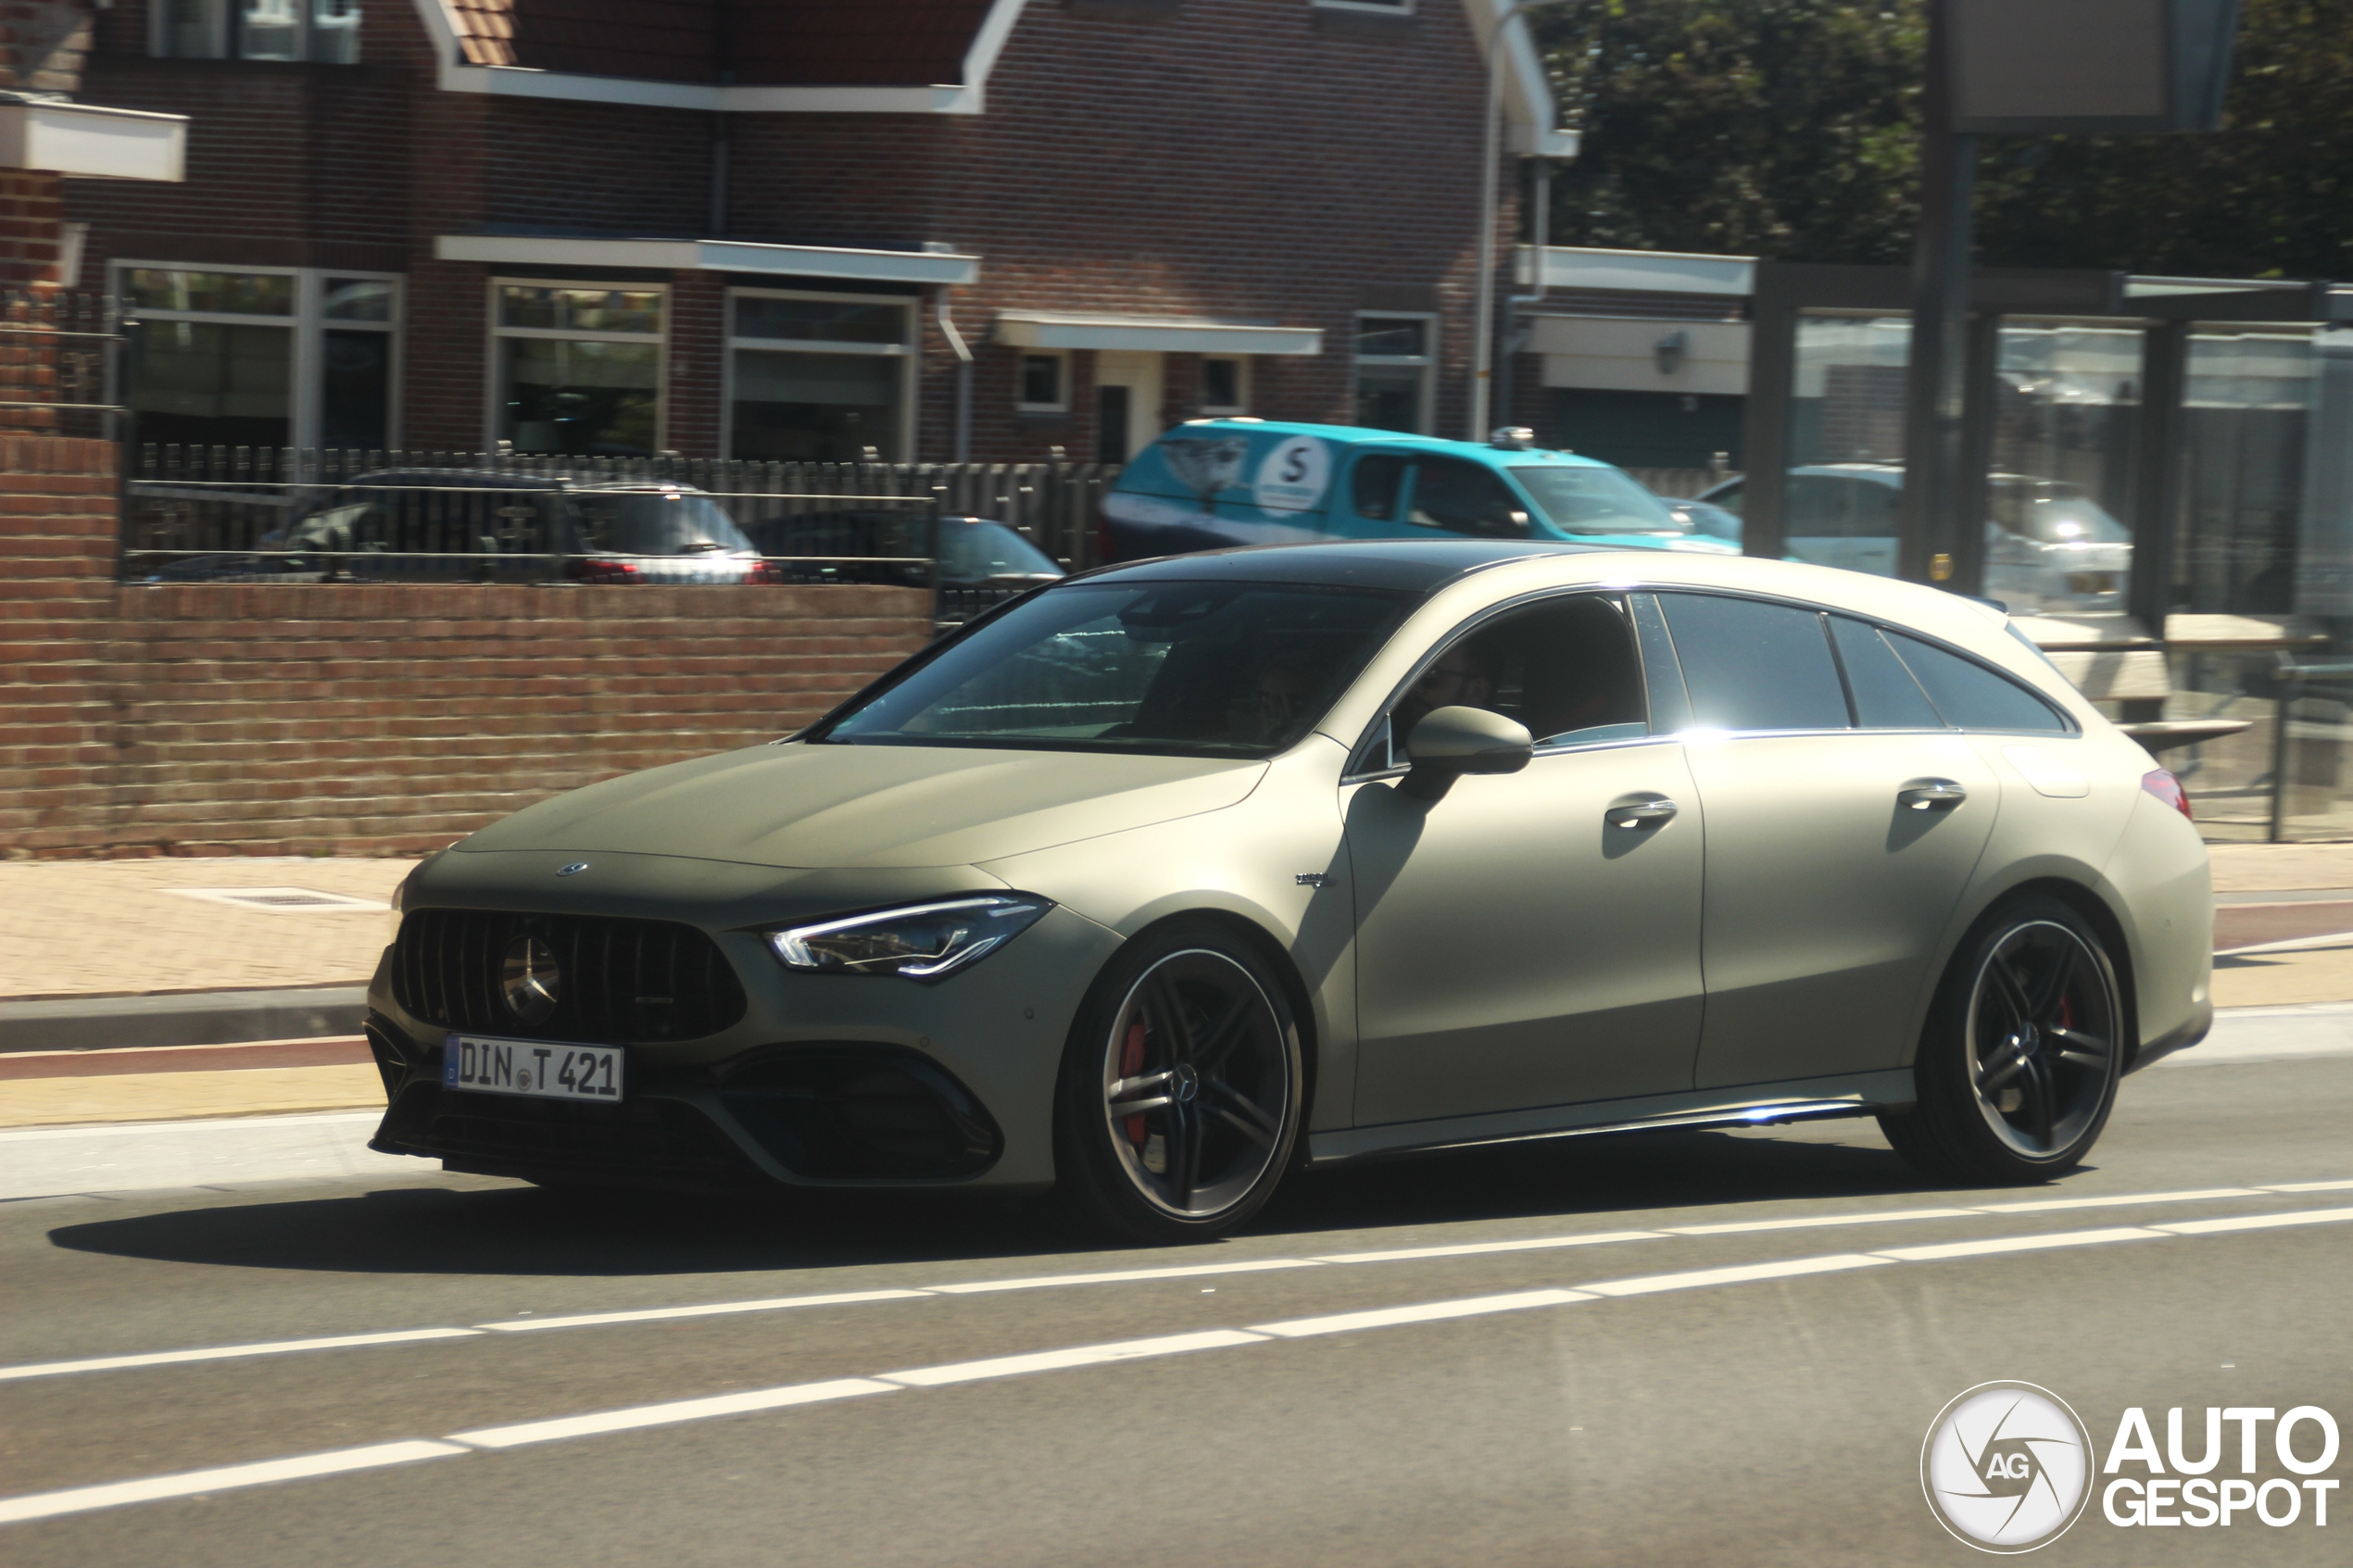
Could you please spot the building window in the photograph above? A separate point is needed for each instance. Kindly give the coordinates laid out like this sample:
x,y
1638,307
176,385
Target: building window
x,y
326,30
285,356
1224,386
1044,387
1395,361
578,368
819,378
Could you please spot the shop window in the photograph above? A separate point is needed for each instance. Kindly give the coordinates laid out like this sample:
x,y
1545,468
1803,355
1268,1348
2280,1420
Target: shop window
x,y
579,368
281,357
819,378
1395,363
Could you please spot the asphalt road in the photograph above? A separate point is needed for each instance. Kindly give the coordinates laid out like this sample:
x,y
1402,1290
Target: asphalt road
x,y
1741,1352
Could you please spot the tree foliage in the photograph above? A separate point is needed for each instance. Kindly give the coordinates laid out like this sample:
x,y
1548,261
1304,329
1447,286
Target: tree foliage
x,y
1789,128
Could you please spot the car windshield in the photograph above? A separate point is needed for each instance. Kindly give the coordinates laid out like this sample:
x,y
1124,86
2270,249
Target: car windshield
x,y
656,522
1597,500
1208,669
969,550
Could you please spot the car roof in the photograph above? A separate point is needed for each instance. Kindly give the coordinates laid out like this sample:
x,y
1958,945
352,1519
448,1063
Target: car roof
x,y
1414,565
1361,435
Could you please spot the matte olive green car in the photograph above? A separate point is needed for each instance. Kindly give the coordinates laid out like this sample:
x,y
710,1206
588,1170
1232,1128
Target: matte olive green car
x,y
1160,880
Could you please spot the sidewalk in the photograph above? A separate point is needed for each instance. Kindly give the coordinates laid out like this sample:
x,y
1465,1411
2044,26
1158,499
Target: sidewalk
x,y
96,933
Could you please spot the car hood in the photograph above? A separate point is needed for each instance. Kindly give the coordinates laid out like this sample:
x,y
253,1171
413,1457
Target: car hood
x,y
885,805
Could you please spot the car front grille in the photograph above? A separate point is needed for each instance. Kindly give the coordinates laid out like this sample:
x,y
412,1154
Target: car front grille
x,y
618,982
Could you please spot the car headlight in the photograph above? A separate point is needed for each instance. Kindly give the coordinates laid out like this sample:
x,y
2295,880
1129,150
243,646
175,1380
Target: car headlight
x,y
919,942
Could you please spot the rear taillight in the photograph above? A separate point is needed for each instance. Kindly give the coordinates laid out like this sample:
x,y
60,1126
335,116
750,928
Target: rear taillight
x,y
2168,789
766,571
1105,554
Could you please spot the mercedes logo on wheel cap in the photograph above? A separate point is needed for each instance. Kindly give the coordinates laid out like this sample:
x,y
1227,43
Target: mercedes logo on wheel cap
x,y
529,978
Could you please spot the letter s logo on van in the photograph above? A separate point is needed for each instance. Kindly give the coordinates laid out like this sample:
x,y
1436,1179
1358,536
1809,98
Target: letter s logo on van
x,y
1294,476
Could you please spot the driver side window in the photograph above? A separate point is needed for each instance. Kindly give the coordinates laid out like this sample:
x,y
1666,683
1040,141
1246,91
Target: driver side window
x,y
1565,668
1464,498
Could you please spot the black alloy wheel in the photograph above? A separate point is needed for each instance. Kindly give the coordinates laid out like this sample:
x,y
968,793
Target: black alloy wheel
x,y
2019,1063
1179,1101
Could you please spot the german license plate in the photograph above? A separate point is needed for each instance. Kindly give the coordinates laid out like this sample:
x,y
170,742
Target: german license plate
x,y
539,1067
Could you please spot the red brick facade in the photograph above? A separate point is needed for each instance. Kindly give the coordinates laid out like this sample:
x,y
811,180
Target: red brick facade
x,y
1249,160
208,718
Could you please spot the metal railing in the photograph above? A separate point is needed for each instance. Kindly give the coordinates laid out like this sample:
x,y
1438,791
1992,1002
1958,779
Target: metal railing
x,y
59,364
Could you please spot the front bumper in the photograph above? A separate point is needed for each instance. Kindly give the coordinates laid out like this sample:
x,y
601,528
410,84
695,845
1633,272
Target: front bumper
x,y
824,1080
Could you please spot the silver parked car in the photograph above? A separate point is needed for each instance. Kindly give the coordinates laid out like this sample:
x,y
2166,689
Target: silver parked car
x,y
2048,545
1157,882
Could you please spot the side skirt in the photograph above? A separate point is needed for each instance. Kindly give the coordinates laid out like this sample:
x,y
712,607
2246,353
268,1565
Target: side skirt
x,y
1752,1105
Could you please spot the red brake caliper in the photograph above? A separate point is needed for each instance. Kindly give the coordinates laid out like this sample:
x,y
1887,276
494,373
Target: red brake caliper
x,y
1131,1062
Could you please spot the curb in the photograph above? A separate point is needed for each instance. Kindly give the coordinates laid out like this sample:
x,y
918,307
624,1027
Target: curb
x,y
216,1018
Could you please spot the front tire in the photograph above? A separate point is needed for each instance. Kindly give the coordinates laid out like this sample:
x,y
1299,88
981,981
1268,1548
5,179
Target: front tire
x,y
1179,1099
2019,1062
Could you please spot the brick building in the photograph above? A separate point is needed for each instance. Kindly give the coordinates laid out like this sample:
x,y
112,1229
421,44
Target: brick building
x,y
791,231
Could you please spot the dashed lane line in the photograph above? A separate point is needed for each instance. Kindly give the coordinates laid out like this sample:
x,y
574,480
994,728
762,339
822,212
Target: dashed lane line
x,y
1117,1276
84,1499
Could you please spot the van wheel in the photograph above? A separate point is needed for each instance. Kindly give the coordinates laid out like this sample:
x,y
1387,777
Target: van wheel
x,y
1179,1103
2019,1061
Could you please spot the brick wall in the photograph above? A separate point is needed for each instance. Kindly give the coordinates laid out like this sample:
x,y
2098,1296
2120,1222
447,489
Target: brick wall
x,y
224,719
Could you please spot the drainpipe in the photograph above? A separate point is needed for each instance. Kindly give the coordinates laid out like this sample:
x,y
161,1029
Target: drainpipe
x,y
1514,335
963,376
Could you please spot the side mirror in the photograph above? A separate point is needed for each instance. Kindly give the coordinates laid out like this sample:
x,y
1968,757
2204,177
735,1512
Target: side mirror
x,y
1449,742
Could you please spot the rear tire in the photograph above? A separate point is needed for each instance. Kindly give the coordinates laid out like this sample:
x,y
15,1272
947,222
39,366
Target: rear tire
x,y
1180,1100
2019,1061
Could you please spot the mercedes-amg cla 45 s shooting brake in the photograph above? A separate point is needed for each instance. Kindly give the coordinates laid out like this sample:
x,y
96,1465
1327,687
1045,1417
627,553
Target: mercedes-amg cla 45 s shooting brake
x,y
1155,884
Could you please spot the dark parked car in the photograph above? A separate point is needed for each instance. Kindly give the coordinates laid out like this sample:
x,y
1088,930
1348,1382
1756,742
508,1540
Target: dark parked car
x,y
981,563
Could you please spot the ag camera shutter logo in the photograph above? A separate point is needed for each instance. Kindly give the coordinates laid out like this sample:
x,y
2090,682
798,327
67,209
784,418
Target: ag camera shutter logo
x,y
2006,1467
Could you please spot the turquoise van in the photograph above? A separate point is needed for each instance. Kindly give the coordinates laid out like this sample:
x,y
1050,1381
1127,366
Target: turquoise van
x,y
1210,484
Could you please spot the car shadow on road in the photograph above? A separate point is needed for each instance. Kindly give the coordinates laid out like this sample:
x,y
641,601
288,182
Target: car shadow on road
x,y
527,1232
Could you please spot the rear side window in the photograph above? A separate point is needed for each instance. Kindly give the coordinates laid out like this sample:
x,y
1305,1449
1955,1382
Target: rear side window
x,y
1886,697
1972,696
1754,666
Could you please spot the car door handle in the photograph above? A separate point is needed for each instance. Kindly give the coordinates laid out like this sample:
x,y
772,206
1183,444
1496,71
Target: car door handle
x,y
1927,794
1640,811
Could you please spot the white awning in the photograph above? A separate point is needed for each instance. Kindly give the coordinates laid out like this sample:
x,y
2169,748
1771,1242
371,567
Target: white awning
x,y
1161,334
1651,272
947,268
91,140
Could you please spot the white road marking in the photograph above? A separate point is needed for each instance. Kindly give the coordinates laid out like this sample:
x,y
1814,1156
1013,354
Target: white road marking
x,y
1478,1248
1085,1355
196,1483
1188,1271
1409,1254
1429,1311
713,1310
2257,1222
1986,1249
227,1352
80,1499
669,1413
1808,1221
2050,1205
1695,1279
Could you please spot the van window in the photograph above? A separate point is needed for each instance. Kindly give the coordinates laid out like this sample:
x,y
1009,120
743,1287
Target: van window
x,y
1820,505
1754,666
1373,491
1464,498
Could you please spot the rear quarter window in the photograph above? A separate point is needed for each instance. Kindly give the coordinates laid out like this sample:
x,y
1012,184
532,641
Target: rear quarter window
x,y
1749,665
1970,697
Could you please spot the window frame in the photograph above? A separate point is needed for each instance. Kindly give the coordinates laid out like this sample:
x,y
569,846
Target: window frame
x,y
228,32
308,323
494,332
1357,769
908,351
1061,357
1426,361
1242,386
